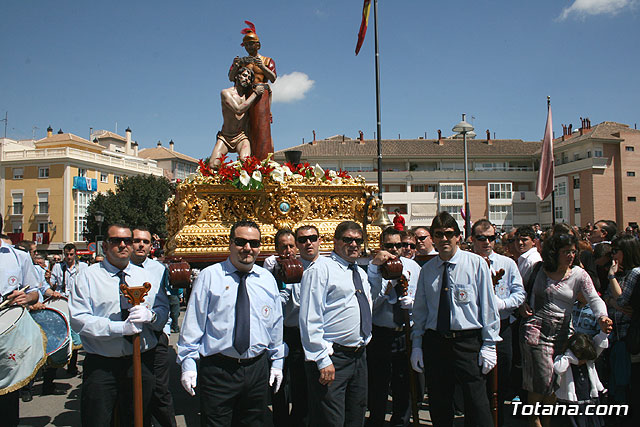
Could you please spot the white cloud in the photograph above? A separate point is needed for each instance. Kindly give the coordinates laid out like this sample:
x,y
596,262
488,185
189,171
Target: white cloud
x,y
582,8
291,87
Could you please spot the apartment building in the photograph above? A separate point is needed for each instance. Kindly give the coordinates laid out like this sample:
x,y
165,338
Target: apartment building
x,y
176,166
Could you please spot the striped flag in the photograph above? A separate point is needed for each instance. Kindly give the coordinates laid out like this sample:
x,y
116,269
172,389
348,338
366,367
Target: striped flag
x,y
363,25
544,187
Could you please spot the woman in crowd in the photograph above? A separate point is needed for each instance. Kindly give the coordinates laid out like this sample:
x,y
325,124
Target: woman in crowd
x,y
623,277
547,311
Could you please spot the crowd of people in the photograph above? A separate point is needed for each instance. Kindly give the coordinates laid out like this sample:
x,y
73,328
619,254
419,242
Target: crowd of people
x,y
544,317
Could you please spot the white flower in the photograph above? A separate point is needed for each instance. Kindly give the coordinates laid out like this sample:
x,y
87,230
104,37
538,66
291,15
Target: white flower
x,y
257,176
318,171
277,174
337,181
245,179
297,177
274,164
332,174
287,171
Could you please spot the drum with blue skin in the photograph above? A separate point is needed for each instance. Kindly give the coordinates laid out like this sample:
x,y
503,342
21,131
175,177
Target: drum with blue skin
x,y
62,305
56,327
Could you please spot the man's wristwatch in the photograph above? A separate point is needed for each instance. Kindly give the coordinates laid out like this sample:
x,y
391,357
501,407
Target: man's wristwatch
x,y
611,276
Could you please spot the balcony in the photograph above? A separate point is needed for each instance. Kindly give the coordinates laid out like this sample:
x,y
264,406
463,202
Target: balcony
x,y
16,237
582,164
41,238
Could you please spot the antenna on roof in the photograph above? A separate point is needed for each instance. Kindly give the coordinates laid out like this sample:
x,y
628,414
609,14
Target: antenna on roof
x,y
6,121
116,128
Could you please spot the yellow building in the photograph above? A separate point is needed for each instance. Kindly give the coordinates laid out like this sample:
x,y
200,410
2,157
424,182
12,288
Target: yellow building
x,y
46,185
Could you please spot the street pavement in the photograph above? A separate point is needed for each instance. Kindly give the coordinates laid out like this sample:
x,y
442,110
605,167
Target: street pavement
x,y
64,409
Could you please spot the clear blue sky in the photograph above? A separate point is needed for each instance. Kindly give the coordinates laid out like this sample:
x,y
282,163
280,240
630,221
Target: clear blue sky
x,y
158,66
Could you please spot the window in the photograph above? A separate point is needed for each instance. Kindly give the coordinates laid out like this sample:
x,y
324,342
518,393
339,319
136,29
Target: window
x,y
104,177
18,173
455,211
81,200
43,203
394,188
16,226
116,179
498,214
629,148
43,227
588,154
17,203
43,172
424,188
631,173
598,153
545,207
452,166
631,199
559,212
495,166
576,182
82,172
358,167
500,191
576,157
561,189
451,192
576,206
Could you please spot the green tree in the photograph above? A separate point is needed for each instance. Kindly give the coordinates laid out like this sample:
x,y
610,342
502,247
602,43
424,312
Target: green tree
x,y
138,200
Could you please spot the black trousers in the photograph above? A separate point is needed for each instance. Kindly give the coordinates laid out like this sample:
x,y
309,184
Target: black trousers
x,y
10,408
297,378
107,381
344,401
233,393
450,361
505,363
161,405
388,367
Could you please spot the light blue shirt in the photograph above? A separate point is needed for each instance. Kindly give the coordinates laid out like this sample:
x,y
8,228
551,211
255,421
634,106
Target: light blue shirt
x,y
17,271
160,284
329,310
292,305
208,323
470,297
509,289
383,304
69,276
94,306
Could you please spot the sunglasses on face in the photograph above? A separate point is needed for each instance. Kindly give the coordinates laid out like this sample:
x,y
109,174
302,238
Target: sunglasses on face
x,y
408,245
117,240
392,245
448,234
241,243
421,238
350,240
485,238
145,241
311,238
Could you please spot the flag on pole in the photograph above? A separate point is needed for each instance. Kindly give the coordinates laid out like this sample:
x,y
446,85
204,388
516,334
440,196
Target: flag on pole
x,y
363,25
544,187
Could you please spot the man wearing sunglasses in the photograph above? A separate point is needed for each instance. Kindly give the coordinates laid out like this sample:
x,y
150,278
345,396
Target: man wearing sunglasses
x,y
387,352
424,241
456,326
335,327
233,325
161,405
409,244
508,294
105,320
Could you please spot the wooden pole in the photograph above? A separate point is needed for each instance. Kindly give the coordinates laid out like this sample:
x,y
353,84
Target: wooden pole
x,y
413,384
135,295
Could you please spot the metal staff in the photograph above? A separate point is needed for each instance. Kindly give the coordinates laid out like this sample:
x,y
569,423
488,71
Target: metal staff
x,y
136,295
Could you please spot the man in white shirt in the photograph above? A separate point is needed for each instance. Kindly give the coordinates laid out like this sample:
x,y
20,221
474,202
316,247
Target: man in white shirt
x,y
529,255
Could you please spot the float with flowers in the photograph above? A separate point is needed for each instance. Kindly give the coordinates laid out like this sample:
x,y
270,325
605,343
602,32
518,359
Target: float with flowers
x,y
274,195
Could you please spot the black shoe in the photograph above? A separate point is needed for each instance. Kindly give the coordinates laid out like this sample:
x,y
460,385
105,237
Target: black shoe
x,y
51,390
72,370
26,396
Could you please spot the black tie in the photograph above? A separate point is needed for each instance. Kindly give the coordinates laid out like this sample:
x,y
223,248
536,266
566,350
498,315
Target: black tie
x,y
124,312
241,332
444,310
365,310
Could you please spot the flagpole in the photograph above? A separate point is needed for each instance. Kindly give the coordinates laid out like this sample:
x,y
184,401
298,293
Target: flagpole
x,y
379,122
553,192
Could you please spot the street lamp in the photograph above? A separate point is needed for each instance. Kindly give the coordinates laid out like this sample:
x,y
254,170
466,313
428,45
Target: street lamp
x,y
99,217
463,127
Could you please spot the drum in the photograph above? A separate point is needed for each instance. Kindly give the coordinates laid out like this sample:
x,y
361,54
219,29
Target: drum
x,y
56,327
22,349
62,305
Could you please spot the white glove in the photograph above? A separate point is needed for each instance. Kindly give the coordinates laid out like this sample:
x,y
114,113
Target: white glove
x,y
406,302
275,376
487,358
131,328
140,314
188,381
500,304
417,363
